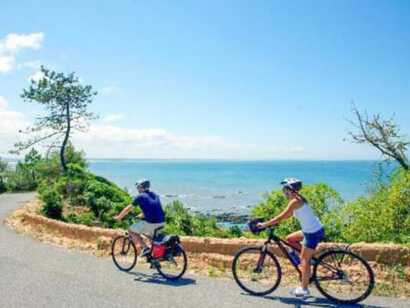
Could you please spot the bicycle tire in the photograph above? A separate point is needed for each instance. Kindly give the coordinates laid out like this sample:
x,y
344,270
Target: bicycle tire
x,y
332,253
126,241
256,250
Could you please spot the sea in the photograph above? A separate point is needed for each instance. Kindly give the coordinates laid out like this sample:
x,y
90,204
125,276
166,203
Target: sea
x,y
221,186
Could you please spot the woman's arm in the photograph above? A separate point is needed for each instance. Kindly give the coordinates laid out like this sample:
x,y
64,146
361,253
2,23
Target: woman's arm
x,y
124,212
286,213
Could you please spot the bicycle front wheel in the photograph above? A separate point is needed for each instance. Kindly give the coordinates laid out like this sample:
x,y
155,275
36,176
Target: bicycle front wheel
x,y
124,253
343,276
256,271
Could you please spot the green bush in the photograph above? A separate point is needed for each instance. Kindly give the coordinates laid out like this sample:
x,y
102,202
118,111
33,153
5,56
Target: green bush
x,y
3,187
79,187
21,179
179,220
3,171
49,168
325,202
24,177
235,231
87,218
53,205
384,216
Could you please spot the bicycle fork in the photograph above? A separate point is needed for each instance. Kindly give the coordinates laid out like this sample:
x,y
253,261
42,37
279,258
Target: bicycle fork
x,y
261,259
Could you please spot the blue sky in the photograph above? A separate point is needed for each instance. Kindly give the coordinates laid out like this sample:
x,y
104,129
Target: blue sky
x,y
217,79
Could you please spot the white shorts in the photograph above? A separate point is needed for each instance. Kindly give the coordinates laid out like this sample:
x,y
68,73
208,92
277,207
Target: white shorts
x,y
143,227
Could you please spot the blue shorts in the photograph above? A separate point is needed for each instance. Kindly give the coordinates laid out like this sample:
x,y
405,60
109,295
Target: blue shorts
x,y
311,240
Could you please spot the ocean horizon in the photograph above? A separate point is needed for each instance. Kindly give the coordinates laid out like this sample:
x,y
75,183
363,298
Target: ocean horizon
x,y
224,185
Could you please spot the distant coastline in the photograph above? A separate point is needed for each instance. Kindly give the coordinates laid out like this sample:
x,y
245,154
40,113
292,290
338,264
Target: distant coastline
x,y
234,186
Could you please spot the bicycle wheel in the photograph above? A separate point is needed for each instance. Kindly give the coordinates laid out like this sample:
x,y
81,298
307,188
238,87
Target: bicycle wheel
x,y
173,267
343,276
255,271
124,253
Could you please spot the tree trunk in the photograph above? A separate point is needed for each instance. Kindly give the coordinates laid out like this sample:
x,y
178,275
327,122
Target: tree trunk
x,y
403,163
67,135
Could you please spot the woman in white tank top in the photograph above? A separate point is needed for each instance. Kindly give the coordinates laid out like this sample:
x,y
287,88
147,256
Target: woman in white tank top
x,y
312,230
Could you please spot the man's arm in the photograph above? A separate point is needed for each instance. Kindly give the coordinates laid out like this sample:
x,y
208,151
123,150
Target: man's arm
x,y
124,212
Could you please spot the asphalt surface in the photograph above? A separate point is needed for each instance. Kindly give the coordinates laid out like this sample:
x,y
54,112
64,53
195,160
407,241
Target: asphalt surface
x,y
34,274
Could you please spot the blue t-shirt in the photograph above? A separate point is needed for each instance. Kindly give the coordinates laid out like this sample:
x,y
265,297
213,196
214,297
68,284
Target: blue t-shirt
x,y
150,206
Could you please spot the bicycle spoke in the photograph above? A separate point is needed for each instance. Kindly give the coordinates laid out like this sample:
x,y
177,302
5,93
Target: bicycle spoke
x,y
256,272
350,279
124,253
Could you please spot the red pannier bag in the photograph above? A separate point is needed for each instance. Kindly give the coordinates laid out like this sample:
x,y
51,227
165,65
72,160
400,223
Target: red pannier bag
x,y
158,250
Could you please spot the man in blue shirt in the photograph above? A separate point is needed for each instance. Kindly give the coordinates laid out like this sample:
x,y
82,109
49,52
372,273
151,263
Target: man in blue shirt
x,y
151,212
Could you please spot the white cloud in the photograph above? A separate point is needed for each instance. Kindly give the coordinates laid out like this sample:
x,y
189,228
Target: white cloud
x,y
112,118
36,76
110,90
106,140
6,63
13,43
35,64
10,123
3,103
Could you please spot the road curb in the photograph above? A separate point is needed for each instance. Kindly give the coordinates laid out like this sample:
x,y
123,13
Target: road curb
x,y
390,254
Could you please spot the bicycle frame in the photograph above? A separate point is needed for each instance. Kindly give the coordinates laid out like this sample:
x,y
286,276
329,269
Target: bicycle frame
x,y
274,239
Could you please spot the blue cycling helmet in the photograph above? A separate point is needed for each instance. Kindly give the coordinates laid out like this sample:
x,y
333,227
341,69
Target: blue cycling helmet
x,y
292,184
143,183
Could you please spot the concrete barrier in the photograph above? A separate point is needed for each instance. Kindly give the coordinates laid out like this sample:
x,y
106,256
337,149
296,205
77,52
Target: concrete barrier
x,y
381,253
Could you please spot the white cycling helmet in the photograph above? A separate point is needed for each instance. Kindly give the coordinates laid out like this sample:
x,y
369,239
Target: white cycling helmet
x,y
292,184
143,183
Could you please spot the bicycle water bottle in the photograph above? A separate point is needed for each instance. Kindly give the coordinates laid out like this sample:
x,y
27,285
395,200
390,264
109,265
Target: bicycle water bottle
x,y
294,256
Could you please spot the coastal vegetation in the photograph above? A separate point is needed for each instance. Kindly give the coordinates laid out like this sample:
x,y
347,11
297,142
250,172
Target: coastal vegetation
x,y
70,192
80,197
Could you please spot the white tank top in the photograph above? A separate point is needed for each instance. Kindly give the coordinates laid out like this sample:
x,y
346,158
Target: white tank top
x,y
307,219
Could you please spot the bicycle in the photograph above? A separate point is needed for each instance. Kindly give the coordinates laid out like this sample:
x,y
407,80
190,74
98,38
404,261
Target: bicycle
x,y
167,256
339,274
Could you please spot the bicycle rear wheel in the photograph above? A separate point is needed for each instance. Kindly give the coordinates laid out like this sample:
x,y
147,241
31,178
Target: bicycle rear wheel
x,y
173,267
256,271
343,276
124,253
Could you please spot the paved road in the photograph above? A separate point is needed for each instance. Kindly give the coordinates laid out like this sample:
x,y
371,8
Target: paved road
x,y
34,274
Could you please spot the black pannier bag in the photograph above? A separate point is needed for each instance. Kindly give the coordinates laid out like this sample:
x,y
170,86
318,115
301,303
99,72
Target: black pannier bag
x,y
172,244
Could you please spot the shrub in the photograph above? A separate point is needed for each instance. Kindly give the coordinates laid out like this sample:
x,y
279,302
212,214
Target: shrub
x,y
79,187
3,171
20,179
235,231
53,205
179,220
3,187
384,216
86,218
49,168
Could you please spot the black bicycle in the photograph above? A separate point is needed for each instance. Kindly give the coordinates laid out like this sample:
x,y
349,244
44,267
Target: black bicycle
x,y
339,274
167,256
